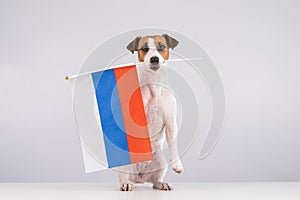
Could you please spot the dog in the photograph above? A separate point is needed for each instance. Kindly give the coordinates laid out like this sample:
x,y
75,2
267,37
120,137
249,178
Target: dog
x,y
161,113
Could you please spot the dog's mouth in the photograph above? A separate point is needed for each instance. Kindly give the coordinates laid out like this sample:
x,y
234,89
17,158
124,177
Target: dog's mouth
x,y
154,67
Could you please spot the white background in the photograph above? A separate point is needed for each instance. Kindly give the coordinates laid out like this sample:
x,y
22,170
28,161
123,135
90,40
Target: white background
x,y
255,45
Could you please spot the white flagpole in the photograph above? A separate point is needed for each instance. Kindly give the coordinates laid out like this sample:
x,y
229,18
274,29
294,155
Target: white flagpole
x,y
97,70
183,59
125,65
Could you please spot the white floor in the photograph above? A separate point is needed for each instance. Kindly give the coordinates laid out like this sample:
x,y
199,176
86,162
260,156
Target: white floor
x,y
205,191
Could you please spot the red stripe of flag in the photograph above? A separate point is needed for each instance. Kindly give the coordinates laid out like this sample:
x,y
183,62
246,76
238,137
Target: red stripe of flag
x,y
133,114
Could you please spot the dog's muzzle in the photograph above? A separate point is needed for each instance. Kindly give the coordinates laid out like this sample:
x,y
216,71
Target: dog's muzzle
x,y
154,61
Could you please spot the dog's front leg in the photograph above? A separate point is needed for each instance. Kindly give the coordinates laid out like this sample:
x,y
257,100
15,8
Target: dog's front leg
x,y
125,184
171,131
123,175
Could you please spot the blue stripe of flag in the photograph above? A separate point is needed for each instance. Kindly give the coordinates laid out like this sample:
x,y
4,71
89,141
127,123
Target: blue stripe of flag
x,y
111,118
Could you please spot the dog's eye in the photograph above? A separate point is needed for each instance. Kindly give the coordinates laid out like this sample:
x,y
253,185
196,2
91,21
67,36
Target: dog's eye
x,y
161,47
145,49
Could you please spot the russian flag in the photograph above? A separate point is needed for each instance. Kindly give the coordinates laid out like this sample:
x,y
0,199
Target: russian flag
x,y
121,116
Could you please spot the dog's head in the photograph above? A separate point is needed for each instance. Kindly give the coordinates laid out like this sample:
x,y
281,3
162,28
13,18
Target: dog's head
x,y
153,50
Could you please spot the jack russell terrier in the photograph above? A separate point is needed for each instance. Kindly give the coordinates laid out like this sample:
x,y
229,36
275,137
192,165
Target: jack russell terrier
x,y
161,113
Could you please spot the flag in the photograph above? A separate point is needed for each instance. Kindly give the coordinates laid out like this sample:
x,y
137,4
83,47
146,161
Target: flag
x,y
121,116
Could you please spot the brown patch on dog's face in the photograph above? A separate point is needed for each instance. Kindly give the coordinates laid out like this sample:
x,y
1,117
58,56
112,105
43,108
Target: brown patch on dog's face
x,y
143,48
161,46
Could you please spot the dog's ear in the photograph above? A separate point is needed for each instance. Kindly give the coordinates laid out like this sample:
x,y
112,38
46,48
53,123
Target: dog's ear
x,y
133,46
171,42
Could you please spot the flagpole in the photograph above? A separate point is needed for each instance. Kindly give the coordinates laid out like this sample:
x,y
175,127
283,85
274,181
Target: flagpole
x,y
125,65
97,70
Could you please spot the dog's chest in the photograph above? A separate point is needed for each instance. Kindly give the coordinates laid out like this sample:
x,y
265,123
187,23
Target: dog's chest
x,y
154,109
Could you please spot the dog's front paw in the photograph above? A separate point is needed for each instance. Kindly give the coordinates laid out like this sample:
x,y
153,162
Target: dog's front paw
x,y
177,167
126,187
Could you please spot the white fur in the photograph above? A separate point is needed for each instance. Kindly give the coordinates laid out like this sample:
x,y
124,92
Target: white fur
x,y
161,112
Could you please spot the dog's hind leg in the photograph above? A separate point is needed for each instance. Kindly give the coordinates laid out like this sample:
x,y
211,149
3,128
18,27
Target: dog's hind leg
x,y
158,180
157,176
162,186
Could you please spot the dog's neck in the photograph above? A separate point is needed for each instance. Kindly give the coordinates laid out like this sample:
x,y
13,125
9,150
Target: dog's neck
x,y
155,81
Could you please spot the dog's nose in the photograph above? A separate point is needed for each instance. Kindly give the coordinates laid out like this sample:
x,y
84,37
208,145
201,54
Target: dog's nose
x,y
154,60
